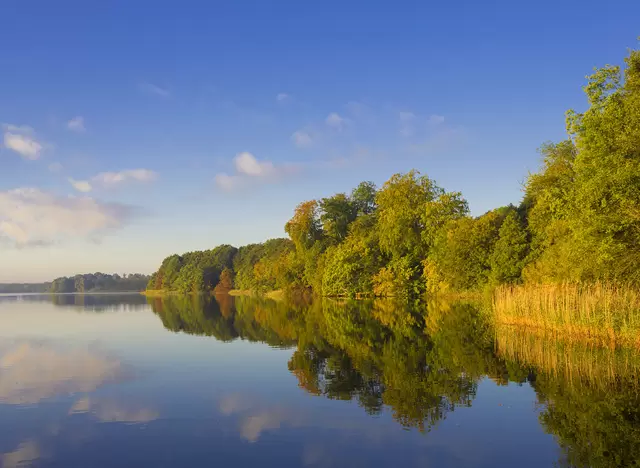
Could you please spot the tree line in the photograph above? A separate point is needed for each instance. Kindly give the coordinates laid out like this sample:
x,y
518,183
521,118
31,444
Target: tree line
x,y
98,282
579,221
91,282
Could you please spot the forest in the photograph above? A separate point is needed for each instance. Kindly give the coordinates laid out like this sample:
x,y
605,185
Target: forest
x,y
98,282
578,222
91,282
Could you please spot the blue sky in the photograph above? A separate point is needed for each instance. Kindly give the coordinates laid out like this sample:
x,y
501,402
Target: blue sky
x,y
133,130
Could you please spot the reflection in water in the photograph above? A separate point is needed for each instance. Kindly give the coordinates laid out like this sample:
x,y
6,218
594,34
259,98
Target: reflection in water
x,y
421,366
591,396
26,453
255,420
418,364
34,371
84,302
222,317
423,363
109,410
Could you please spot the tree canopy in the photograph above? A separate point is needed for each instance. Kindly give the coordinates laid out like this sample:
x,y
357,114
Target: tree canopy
x,y
579,220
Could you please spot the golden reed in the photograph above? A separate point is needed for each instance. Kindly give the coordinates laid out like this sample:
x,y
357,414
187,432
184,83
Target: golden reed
x,y
579,363
595,312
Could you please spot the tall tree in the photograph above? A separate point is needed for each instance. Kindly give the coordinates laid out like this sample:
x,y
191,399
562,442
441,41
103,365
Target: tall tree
x,y
363,198
401,205
304,227
336,213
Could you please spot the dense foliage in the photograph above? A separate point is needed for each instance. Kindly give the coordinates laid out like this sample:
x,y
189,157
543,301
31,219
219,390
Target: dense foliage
x,y
92,282
23,288
579,221
98,282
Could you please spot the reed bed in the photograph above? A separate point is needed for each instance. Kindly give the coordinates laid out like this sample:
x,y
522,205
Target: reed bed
x,y
596,312
579,363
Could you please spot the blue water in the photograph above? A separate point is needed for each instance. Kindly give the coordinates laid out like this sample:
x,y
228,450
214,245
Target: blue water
x,y
104,383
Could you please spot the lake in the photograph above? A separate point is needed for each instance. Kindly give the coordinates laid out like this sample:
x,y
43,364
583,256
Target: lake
x,y
122,380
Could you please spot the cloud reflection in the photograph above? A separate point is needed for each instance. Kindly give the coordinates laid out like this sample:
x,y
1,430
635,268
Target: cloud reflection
x,y
108,410
34,371
26,453
253,420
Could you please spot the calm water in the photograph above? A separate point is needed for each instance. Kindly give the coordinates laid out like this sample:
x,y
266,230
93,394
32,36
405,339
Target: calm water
x,y
102,381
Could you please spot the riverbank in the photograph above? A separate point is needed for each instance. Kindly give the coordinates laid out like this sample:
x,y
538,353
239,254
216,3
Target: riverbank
x,y
275,295
600,313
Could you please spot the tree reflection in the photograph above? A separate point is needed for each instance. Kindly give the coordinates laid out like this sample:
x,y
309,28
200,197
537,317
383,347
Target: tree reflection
x,y
422,362
591,396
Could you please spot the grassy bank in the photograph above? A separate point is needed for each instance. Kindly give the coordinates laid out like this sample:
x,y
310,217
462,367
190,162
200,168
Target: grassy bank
x,y
276,295
601,313
156,292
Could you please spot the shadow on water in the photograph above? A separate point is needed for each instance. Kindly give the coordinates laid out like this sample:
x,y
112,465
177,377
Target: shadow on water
x,y
424,362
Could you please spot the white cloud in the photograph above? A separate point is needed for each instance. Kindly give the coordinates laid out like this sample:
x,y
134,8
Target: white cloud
x,y
248,168
111,179
154,89
21,139
76,124
282,97
80,185
436,119
336,121
29,216
302,139
247,164
227,182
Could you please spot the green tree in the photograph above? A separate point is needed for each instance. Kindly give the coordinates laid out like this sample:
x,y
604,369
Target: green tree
x,y
363,198
461,254
304,228
510,251
336,213
351,265
401,206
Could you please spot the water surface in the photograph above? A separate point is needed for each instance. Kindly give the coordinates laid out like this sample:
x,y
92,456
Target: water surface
x,y
117,380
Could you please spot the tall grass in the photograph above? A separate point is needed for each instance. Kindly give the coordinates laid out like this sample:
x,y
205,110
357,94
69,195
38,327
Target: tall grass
x,y
578,363
603,313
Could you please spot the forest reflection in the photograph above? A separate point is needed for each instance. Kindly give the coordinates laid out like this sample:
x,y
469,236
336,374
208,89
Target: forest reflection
x,y
423,362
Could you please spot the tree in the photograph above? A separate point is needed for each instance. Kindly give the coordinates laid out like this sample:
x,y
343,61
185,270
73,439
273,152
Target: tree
x,y
304,227
510,251
402,203
226,282
336,213
461,253
438,212
401,206
351,265
363,198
